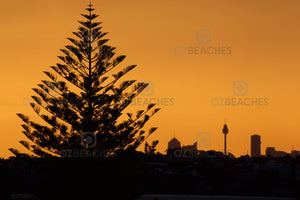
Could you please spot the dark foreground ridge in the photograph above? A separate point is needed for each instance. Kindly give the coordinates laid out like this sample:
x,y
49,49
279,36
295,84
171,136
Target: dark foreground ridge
x,y
131,175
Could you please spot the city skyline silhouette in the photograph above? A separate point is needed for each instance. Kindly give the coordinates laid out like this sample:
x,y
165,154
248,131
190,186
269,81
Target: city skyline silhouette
x,y
254,146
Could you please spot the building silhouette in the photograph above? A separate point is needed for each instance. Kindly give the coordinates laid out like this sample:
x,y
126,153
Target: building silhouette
x,y
225,132
295,153
255,146
174,144
192,147
281,153
270,151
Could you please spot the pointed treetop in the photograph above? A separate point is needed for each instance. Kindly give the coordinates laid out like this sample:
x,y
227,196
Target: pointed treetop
x,y
90,7
90,16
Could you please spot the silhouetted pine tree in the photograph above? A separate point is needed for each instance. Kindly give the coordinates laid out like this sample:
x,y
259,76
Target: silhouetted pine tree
x,y
97,104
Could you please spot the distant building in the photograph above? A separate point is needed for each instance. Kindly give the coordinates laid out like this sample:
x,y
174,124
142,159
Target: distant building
x,y
255,146
225,132
281,153
295,153
174,144
190,147
270,151
175,150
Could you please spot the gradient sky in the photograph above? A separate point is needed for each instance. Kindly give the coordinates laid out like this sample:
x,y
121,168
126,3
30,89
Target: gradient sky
x,y
263,35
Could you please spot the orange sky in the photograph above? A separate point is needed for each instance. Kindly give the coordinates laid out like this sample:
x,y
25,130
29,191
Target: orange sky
x,y
263,35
